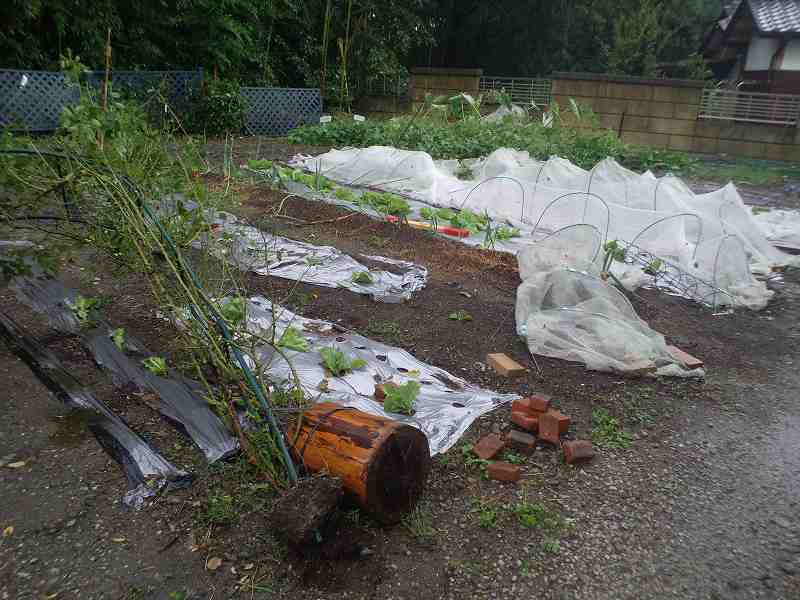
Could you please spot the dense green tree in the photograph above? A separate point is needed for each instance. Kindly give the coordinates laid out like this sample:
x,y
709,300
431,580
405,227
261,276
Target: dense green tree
x,y
281,41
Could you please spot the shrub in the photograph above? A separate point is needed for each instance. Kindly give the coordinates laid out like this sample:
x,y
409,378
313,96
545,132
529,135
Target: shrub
x,y
470,138
220,109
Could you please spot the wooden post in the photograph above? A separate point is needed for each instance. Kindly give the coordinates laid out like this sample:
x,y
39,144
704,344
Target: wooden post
x,y
108,69
383,464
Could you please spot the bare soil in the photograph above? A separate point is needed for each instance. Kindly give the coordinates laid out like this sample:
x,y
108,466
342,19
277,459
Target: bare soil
x,y
704,503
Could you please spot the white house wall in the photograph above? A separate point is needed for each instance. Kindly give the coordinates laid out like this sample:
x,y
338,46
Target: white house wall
x,y
760,53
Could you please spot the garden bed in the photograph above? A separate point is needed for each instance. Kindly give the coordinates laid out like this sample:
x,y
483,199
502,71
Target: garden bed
x,y
470,537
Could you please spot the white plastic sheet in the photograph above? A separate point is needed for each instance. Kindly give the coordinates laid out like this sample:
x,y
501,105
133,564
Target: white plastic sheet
x,y
446,404
266,254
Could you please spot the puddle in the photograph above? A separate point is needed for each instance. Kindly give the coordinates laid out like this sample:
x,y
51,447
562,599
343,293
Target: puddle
x,y
70,429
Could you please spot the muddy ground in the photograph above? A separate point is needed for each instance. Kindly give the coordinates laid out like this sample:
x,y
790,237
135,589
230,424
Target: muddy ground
x,y
703,504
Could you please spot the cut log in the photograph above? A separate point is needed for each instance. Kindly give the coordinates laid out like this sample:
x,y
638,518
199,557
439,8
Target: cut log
x,y
382,463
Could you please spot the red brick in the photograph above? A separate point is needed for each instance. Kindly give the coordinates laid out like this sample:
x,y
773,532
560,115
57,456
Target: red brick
x,y
552,425
488,446
577,451
684,357
500,470
520,438
525,420
505,366
538,402
533,406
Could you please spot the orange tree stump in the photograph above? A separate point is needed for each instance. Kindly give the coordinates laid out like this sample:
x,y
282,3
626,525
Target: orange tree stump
x,y
383,464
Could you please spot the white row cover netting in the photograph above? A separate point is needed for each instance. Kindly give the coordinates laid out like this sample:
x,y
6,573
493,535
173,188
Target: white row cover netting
x,y
708,246
445,407
566,310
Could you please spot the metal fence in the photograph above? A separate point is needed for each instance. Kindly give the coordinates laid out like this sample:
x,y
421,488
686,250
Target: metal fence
x,y
754,107
33,100
396,87
523,90
275,111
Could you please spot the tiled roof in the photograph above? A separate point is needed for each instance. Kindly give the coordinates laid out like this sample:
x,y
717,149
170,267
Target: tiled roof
x,y
776,16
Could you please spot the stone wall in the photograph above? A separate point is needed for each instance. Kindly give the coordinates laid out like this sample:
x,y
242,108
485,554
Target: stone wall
x,y
663,113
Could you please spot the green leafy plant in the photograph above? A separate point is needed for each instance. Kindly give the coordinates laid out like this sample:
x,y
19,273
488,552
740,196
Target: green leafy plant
x,y
293,340
613,252
466,219
363,277
386,203
502,97
492,235
118,337
156,365
400,399
514,458
551,546
261,164
472,460
607,431
84,308
344,194
460,315
234,310
577,138
445,214
506,233
487,514
535,515
337,363
431,215
654,266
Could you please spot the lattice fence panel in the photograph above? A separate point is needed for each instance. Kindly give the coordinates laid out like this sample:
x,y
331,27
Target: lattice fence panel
x,y
33,100
275,111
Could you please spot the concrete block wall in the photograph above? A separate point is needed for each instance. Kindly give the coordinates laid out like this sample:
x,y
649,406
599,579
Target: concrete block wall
x,y
383,105
443,82
663,113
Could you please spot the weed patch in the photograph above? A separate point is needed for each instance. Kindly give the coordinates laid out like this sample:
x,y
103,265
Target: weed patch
x,y
607,431
535,515
219,509
416,522
486,514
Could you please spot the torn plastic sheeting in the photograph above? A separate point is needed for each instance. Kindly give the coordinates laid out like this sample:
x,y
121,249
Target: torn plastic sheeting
x,y
180,401
445,407
50,298
254,250
146,470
